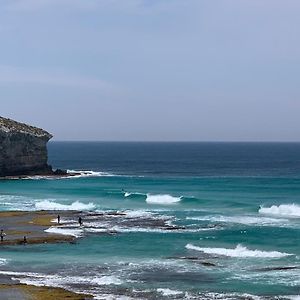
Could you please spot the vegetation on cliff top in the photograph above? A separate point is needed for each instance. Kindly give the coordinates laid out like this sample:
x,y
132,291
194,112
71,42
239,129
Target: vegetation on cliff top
x,y
8,125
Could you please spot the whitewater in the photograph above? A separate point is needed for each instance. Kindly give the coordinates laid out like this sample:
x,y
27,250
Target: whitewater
x,y
165,221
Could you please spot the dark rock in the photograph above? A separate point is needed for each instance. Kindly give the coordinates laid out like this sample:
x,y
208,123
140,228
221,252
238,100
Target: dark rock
x,y
207,264
60,172
283,268
23,149
194,259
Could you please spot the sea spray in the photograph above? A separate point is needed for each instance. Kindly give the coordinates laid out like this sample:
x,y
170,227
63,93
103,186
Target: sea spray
x,y
286,210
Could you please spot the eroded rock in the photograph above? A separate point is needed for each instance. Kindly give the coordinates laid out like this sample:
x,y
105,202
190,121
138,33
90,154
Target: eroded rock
x,y
23,149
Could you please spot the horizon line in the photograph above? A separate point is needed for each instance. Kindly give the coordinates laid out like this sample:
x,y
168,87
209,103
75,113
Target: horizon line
x,y
171,141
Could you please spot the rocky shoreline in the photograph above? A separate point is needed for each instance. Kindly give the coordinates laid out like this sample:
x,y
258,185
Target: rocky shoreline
x,y
16,291
51,175
32,225
40,227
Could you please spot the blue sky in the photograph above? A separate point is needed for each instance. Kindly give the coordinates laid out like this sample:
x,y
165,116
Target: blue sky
x,y
201,70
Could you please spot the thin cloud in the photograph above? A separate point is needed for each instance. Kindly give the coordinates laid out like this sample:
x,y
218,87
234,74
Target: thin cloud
x,y
14,75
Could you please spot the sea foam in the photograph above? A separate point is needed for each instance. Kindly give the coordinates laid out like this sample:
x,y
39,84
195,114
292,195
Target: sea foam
x,y
107,280
246,220
87,173
286,210
3,261
65,231
131,194
239,251
51,205
169,292
135,214
162,199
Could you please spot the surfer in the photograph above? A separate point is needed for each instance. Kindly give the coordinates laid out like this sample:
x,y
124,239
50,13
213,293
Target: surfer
x,y
80,221
58,219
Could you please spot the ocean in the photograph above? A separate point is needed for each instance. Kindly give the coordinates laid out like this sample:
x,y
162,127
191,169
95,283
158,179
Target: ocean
x,y
197,221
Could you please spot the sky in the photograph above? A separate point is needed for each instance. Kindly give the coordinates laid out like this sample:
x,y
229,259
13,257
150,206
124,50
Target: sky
x,y
153,70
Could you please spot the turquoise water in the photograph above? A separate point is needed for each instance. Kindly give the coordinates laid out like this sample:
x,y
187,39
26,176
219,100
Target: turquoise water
x,y
236,208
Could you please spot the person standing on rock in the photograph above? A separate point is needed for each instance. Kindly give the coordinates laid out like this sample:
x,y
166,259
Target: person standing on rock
x,y
2,235
80,221
58,219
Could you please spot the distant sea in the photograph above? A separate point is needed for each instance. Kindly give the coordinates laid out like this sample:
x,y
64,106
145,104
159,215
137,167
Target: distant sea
x,y
236,207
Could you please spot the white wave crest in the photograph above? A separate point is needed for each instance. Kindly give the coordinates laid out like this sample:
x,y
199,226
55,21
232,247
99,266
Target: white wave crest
x,y
246,220
87,173
3,261
29,274
162,199
16,202
51,205
133,214
107,280
169,292
146,230
128,194
65,231
239,251
59,281
287,210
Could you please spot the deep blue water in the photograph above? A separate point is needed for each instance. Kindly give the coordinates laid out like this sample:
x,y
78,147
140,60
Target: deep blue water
x,y
237,207
179,159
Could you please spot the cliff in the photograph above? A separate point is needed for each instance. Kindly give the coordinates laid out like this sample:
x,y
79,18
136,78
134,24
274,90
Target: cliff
x,y
23,149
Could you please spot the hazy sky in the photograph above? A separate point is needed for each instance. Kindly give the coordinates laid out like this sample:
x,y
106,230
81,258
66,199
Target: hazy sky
x,y
152,69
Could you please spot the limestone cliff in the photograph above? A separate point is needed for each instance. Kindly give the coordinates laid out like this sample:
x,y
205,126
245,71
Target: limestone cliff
x,y
23,149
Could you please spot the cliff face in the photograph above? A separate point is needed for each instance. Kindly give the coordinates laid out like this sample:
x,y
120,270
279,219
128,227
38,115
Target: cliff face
x,y
23,149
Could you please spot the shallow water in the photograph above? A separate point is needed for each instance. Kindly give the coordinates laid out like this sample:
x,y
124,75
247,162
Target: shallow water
x,y
236,208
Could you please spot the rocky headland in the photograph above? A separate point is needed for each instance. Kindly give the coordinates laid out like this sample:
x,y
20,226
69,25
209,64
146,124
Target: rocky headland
x,y
23,149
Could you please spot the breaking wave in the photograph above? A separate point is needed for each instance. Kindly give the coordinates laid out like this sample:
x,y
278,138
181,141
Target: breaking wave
x,y
239,251
246,220
134,194
169,292
3,261
51,205
162,199
65,231
132,214
88,173
286,210
60,281
107,280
